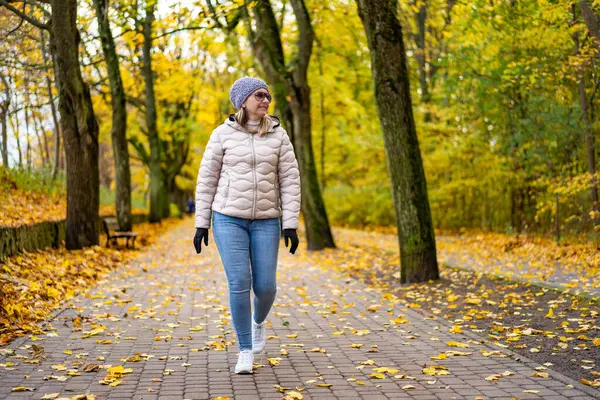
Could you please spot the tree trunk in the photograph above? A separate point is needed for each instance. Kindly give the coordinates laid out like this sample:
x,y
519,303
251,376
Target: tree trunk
x,y
416,236
27,101
323,129
159,201
4,109
517,211
27,136
57,135
291,89
79,127
318,233
592,24
40,125
38,133
421,56
119,119
15,128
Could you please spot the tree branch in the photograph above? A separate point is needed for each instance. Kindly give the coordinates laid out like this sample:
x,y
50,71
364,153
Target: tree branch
x,y
187,28
140,150
214,13
229,25
18,26
29,106
24,16
306,36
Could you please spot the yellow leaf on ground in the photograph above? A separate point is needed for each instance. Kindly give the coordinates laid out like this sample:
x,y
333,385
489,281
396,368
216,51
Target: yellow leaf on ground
x,y
456,329
594,383
541,374
387,370
435,370
119,370
293,396
274,361
453,343
399,320
21,389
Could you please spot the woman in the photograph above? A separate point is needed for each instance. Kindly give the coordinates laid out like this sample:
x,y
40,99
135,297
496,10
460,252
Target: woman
x,y
249,178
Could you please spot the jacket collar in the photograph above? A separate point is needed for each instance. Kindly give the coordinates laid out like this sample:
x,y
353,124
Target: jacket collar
x,y
275,123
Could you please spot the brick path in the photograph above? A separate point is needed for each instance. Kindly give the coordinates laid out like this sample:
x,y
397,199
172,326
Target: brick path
x,y
171,304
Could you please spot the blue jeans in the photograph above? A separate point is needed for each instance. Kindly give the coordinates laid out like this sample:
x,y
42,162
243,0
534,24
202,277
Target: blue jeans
x,y
248,250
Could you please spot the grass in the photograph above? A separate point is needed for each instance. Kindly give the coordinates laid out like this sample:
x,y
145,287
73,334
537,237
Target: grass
x,y
37,181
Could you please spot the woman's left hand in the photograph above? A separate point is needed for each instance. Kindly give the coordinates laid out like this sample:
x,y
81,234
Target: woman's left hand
x,y
291,235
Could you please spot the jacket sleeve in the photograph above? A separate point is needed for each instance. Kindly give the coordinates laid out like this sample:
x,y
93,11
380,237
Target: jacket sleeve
x,y
208,177
289,184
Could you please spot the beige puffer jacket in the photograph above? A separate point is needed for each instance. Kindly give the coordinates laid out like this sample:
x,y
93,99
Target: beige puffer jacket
x,y
247,176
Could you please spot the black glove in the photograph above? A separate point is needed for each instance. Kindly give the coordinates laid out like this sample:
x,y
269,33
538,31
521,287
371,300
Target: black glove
x,y
290,234
200,234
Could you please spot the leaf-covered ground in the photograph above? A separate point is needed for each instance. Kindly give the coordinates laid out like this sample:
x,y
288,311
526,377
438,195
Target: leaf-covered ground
x,y
557,328
24,206
33,284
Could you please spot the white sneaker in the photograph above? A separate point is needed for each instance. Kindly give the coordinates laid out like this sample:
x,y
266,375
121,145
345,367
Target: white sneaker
x,y
259,333
245,362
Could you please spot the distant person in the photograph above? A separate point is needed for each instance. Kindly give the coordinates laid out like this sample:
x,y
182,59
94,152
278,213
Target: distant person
x,y
190,206
249,178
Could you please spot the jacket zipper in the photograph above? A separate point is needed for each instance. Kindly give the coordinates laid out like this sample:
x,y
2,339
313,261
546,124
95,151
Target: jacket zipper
x,y
253,174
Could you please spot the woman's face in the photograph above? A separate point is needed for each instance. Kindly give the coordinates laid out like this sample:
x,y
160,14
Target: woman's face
x,y
257,104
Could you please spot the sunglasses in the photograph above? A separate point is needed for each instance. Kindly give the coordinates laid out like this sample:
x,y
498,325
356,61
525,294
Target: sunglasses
x,y
260,96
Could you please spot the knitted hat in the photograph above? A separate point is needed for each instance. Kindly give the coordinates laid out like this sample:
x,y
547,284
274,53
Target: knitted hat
x,y
244,87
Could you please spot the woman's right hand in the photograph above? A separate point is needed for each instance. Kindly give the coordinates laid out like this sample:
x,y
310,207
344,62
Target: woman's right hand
x,y
201,233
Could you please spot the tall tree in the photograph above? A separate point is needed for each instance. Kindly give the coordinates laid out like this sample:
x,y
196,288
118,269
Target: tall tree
x,y
4,106
78,122
41,137
27,136
292,94
159,201
79,128
418,259
119,118
591,21
56,124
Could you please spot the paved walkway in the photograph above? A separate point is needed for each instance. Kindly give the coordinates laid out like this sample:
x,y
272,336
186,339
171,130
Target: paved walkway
x,y
170,308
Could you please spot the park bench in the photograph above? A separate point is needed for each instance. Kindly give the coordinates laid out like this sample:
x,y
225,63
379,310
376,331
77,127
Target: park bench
x,y
112,223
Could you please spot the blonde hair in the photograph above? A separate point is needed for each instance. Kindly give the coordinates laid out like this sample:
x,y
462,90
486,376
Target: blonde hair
x,y
241,117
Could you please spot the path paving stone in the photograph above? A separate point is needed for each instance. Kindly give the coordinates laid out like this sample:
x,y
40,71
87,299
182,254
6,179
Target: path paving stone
x,y
172,304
